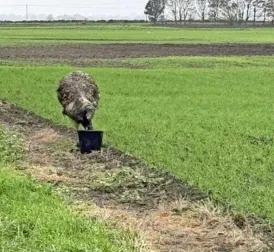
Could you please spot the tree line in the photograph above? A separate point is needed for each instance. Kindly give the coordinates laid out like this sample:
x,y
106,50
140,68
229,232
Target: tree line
x,y
230,11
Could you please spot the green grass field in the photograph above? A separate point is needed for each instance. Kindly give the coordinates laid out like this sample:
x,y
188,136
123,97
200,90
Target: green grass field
x,y
34,218
207,120
130,34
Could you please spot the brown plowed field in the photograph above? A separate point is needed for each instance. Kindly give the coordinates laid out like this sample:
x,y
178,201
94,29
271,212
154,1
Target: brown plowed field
x,y
110,51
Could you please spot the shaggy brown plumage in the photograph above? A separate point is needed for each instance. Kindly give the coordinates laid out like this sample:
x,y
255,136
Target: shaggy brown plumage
x,y
79,96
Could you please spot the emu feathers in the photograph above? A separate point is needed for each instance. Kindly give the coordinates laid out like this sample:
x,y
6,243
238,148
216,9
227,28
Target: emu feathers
x,y
79,96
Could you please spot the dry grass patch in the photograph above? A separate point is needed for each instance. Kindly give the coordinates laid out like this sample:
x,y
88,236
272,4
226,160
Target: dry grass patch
x,y
50,174
45,136
181,226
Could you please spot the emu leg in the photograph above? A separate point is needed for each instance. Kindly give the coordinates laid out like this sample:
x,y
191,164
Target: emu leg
x,y
87,124
90,127
77,128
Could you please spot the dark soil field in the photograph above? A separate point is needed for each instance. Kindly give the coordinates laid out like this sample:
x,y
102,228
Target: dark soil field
x,y
109,51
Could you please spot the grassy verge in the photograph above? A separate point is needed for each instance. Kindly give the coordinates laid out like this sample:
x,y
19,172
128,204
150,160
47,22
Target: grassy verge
x,y
130,34
158,63
33,218
209,125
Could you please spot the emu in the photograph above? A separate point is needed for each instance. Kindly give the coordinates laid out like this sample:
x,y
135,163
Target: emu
x,y
79,96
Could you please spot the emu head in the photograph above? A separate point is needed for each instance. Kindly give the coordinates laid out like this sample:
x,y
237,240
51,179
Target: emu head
x,y
87,116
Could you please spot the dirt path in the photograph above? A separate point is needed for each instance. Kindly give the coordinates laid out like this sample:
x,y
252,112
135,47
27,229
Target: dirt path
x,y
168,214
71,52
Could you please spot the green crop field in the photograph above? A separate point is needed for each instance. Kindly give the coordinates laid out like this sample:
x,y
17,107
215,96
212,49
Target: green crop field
x,y
34,218
207,120
130,34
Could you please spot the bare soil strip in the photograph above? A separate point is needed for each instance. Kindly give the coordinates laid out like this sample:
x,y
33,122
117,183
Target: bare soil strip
x,y
64,52
168,214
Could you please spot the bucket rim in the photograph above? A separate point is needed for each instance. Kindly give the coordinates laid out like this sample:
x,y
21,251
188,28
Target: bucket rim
x,y
96,131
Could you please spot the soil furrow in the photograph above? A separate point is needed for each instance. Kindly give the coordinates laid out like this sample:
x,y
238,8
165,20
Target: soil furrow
x,y
63,52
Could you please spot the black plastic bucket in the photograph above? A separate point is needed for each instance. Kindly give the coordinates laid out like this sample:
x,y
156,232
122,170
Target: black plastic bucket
x,y
90,140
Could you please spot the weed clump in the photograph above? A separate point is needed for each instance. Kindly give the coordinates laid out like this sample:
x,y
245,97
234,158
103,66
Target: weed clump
x,y
132,185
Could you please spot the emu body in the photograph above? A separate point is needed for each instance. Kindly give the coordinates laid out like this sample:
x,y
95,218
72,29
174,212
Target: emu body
x,y
79,96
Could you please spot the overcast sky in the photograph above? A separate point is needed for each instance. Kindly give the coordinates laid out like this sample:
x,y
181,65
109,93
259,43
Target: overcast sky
x,y
121,8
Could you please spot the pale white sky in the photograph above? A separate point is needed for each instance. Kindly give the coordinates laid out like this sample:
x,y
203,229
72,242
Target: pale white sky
x,y
122,8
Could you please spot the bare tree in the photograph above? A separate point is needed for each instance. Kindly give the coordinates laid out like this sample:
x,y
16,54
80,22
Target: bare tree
x,y
254,9
270,10
229,10
173,6
263,10
214,9
202,8
248,6
184,9
240,5
180,9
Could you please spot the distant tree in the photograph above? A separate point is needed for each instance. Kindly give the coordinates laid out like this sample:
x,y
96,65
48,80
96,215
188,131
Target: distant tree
x,y
229,10
162,18
253,8
241,6
154,8
181,9
50,17
214,9
185,7
263,10
202,8
173,6
248,6
248,9
270,10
